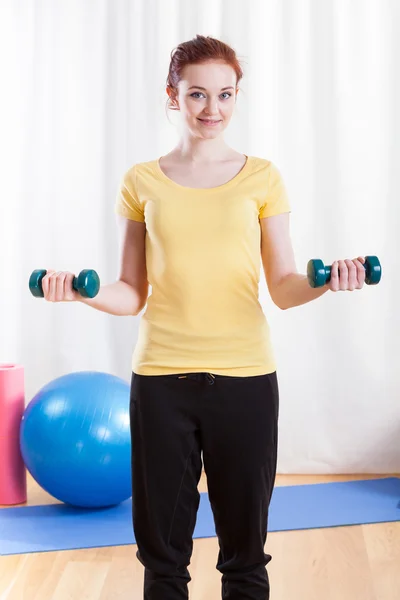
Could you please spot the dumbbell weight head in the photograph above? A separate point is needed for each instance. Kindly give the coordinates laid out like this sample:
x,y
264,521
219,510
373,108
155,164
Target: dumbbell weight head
x,y
87,283
373,269
318,274
35,282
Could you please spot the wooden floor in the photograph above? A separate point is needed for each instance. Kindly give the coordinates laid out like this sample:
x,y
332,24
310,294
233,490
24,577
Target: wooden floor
x,y
339,563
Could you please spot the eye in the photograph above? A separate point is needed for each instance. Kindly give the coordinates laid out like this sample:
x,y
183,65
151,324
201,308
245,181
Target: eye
x,y
224,93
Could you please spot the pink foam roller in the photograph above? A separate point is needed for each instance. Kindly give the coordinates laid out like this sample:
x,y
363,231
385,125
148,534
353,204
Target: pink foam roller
x,y
12,406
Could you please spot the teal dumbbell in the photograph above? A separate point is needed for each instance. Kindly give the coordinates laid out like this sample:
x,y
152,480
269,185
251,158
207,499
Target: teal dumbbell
x,y
318,274
87,283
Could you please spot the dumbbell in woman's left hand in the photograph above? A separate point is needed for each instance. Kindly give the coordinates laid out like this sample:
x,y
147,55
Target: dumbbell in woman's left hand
x,y
347,275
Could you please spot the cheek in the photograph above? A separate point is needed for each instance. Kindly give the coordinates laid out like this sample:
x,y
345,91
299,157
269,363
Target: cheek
x,y
227,112
191,109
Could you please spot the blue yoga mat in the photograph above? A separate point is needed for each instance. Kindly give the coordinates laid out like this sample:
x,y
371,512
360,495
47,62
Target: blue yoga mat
x,y
61,527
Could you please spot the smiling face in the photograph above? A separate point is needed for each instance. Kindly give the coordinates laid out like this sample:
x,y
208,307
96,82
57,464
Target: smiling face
x,y
206,98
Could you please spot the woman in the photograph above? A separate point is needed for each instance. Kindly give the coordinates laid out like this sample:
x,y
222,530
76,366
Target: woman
x,y
196,225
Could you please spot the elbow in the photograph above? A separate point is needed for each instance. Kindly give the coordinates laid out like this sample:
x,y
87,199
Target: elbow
x,y
138,310
139,306
278,302
279,292
138,298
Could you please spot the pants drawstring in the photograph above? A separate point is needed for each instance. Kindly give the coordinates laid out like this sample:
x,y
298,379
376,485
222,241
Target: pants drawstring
x,y
198,376
210,378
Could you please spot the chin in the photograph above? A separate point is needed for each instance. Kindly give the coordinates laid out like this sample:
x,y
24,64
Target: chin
x,y
211,130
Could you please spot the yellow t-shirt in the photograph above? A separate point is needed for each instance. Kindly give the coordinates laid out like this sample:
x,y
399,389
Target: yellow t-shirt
x,y
203,259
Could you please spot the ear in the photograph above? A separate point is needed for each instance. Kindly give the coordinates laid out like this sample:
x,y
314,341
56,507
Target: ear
x,y
174,101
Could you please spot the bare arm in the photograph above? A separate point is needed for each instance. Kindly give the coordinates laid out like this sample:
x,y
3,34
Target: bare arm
x,y
128,295
287,287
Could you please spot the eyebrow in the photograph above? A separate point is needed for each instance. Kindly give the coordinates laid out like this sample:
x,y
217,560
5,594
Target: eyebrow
x,y
230,87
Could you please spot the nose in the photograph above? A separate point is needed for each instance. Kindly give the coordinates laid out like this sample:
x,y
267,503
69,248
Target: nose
x,y
212,107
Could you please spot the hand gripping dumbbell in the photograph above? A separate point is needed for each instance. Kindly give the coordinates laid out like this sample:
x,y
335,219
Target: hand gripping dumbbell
x,y
87,283
318,275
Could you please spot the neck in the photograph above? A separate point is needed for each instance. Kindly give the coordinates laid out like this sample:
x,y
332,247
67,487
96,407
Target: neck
x,y
195,150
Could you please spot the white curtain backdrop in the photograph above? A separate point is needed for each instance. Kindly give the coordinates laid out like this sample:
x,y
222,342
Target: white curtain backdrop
x,y
83,98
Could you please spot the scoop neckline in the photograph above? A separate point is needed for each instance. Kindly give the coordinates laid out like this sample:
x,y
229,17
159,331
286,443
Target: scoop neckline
x,y
243,171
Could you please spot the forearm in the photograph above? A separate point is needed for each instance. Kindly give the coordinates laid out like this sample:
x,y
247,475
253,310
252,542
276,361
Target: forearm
x,y
294,290
118,298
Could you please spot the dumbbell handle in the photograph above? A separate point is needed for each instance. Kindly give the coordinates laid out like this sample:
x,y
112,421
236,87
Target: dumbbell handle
x,y
87,284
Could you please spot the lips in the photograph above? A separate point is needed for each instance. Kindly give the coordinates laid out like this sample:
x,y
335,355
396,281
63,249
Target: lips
x,y
209,121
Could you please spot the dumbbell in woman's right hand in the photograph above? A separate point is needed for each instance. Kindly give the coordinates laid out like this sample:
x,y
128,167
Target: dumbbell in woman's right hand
x,y
64,286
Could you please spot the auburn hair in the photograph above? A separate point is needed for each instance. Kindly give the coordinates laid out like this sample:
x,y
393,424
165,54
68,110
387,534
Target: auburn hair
x,y
198,50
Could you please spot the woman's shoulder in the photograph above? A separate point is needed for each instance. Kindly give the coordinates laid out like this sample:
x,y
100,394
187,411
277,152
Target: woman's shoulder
x,y
261,161
140,168
270,166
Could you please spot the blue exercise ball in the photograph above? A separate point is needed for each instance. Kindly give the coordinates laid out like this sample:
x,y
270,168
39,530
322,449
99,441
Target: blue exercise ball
x,y
75,439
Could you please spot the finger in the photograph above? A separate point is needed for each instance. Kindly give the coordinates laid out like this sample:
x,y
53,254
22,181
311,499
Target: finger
x,y
53,286
60,286
343,276
360,273
68,284
46,282
352,275
334,282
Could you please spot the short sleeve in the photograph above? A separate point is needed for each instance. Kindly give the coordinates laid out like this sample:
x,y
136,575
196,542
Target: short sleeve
x,y
276,200
127,202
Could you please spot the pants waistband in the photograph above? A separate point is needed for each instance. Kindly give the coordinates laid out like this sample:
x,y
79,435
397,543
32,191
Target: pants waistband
x,y
209,377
